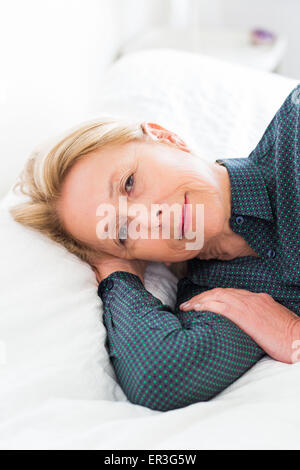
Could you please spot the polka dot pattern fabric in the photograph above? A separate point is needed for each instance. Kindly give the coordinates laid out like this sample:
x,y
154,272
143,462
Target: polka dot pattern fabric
x,y
167,359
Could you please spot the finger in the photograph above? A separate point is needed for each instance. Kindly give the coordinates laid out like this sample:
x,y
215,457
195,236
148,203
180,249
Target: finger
x,y
216,294
219,293
227,289
234,290
211,306
187,305
212,294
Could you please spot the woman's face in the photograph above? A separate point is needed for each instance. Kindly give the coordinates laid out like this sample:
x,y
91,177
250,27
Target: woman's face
x,y
161,172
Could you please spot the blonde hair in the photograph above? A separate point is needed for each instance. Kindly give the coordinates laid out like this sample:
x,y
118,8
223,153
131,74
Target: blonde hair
x,y
43,174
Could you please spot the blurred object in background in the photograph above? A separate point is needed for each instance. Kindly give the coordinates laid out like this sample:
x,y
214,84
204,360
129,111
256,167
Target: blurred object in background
x,y
262,36
197,26
238,46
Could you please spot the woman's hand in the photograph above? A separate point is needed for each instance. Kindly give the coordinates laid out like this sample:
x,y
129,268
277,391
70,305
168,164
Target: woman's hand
x,y
107,264
275,328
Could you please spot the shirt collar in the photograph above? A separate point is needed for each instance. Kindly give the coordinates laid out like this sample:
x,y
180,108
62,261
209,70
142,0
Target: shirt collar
x,y
249,194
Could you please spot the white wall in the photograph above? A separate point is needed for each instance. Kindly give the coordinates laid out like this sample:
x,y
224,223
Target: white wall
x,y
195,12
53,54
136,16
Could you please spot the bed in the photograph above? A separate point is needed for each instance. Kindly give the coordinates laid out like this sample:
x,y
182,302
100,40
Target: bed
x,y
57,387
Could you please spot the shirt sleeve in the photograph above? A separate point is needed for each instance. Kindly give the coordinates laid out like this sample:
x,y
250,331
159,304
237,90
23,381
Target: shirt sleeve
x,y
165,360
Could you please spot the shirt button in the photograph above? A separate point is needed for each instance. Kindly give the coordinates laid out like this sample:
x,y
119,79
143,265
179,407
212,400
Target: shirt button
x,y
239,220
110,284
271,253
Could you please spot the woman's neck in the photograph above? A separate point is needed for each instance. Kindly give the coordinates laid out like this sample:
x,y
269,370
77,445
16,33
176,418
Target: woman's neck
x,y
227,244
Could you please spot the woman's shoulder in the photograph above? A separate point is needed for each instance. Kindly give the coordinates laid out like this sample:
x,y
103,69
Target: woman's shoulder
x,y
280,140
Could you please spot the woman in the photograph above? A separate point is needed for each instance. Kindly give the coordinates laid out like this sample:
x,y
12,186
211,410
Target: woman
x,y
240,297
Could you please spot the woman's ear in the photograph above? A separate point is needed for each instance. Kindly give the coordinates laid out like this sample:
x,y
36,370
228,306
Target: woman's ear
x,y
160,134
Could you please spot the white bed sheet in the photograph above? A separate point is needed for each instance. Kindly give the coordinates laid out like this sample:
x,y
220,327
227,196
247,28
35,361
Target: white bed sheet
x,y
57,387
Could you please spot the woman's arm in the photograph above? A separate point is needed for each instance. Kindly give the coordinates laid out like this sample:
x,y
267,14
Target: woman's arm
x,y
275,328
165,360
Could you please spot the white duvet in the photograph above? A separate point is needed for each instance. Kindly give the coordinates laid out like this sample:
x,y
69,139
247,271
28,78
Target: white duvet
x,y
57,387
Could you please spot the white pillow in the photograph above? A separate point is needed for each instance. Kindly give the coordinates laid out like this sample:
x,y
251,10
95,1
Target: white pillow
x,y
51,321
52,336
220,109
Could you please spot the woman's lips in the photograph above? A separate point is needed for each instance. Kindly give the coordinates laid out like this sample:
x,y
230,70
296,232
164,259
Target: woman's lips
x,y
186,216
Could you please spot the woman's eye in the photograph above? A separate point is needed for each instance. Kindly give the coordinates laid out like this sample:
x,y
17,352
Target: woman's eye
x,y
123,230
129,183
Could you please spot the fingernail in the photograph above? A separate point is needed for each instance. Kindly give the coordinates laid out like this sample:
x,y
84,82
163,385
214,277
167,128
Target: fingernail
x,y
185,304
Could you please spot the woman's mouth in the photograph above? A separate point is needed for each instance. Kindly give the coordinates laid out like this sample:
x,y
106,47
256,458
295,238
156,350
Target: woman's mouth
x,y
186,216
